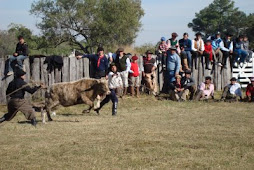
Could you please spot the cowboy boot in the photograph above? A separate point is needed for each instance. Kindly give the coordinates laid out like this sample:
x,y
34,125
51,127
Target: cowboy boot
x,y
114,109
2,119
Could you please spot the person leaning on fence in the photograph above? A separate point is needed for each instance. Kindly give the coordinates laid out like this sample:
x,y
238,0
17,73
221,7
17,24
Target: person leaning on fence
x,y
123,64
173,65
232,91
216,44
149,74
208,54
246,48
114,83
134,76
250,90
197,47
19,56
16,90
98,61
185,46
227,49
239,54
177,91
188,82
205,90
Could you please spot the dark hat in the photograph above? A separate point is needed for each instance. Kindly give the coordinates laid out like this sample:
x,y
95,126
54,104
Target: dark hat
x,y
120,50
208,78
173,48
134,57
185,34
174,34
187,72
112,64
198,33
217,33
229,34
20,73
208,40
100,49
149,52
20,37
233,79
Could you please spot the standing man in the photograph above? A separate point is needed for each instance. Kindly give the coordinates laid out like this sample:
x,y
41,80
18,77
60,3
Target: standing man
x,y
173,64
98,61
227,49
185,46
232,90
123,65
20,55
149,74
16,90
197,47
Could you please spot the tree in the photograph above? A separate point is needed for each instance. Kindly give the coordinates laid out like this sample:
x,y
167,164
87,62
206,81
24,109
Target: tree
x,y
220,15
94,22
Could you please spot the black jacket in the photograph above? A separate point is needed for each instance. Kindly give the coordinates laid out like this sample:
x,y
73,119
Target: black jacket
x,y
22,49
187,82
16,84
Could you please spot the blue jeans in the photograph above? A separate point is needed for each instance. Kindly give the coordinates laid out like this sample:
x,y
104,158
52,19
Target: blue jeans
x,y
19,60
242,53
188,54
171,76
112,96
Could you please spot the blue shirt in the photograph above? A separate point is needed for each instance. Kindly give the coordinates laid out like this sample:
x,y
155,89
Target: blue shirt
x,y
173,62
186,44
94,61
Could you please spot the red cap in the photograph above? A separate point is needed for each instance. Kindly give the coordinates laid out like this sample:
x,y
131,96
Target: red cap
x,y
134,57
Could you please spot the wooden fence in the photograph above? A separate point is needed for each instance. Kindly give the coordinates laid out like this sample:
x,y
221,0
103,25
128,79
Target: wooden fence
x,y
74,69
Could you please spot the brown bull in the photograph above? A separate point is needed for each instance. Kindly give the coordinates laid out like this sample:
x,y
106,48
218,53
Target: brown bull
x,y
77,92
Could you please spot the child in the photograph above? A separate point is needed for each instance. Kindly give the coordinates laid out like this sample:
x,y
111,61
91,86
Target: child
x,y
134,76
208,54
114,82
162,49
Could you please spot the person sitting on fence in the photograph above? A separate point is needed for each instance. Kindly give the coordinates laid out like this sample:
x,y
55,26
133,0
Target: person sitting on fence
x,y
250,90
149,74
226,48
114,83
232,91
246,48
161,51
177,91
172,42
197,47
185,46
216,44
134,76
208,54
123,64
188,82
239,54
16,91
205,90
98,61
19,56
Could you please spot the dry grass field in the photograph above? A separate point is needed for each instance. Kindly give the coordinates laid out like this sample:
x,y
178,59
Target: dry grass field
x,y
146,134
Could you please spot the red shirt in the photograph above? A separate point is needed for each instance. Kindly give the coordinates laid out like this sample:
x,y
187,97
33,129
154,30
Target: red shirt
x,y
134,68
250,90
209,50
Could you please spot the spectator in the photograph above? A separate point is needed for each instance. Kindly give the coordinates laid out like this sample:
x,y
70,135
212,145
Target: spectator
x,y
16,90
197,47
216,44
149,74
185,46
239,53
208,54
99,62
134,76
246,48
206,89
250,90
232,90
123,65
162,49
226,48
189,83
177,91
19,56
114,83
172,42
173,64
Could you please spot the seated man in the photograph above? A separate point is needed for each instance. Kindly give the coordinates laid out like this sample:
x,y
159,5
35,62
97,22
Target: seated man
x,y
177,91
250,90
197,48
216,44
185,46
20,55
247,49
232,90
162,49
205,90
239,54
189,83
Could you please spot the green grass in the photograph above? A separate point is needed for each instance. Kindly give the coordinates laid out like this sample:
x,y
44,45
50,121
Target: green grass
x,y
146,134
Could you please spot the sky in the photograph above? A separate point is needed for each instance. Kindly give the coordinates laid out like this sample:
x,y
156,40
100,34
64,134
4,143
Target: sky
x,y
162,17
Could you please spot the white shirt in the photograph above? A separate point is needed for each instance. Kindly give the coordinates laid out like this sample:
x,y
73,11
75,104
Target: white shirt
x,y
235,89
114,80
200,45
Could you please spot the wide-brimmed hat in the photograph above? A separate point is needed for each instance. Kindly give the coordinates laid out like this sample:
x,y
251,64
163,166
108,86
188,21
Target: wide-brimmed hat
x,y
233,79
187,72
149,52
198,33
173,48
174,34
120,50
